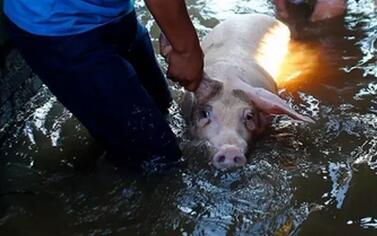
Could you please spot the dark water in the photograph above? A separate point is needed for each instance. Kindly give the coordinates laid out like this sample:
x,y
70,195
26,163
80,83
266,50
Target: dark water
x,y
315,179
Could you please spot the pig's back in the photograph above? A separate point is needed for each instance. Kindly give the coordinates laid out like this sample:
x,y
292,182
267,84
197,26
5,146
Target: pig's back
x,y
237,36
236,41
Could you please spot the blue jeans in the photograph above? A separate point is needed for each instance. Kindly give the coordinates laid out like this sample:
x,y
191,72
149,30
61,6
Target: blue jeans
x,y
110,80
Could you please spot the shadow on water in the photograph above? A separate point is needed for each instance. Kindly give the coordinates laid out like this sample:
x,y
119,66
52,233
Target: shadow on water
x,y
300,179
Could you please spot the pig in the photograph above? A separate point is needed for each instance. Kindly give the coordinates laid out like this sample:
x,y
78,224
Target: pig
x,y
236,96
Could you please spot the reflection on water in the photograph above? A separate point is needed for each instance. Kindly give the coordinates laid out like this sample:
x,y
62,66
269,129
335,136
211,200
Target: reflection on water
x,y
300,179
273,49
301,61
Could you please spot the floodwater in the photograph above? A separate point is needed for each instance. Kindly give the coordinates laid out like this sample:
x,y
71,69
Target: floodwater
x,y
317,179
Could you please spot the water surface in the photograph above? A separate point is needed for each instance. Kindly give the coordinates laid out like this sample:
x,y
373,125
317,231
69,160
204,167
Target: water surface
x,y
300,179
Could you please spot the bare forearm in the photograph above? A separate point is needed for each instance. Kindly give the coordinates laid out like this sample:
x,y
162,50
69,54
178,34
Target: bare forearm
x,y
174,21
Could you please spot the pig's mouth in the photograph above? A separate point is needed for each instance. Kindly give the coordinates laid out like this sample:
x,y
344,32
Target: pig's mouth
x,y
228,157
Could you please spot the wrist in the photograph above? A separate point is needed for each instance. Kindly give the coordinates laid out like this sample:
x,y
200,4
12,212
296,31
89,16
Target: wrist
x,y
187,46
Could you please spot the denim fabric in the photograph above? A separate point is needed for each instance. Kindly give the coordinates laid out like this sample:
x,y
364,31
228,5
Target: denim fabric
x,y
109,79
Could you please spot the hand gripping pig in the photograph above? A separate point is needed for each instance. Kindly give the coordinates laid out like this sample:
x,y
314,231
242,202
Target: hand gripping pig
x,y
236,95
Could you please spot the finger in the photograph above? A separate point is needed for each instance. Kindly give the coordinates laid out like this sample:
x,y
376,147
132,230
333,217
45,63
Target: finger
x,y
170,75
193,86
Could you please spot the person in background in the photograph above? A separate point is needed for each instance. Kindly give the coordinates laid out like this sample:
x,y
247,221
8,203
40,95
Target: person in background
x,y
98,60
322,9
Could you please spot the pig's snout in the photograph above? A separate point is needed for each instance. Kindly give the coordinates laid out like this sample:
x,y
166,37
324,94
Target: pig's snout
x,y
229,157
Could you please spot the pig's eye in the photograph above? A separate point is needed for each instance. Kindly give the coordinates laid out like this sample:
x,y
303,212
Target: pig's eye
x,y
249,119
248,115
203,114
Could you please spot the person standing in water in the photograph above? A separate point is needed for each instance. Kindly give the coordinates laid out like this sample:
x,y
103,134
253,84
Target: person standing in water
x,y
322,9
98,60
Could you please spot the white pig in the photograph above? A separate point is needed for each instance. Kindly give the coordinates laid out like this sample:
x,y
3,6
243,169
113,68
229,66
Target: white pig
x,y
231,105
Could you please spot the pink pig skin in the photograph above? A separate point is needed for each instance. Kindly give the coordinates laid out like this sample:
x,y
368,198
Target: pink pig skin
x,y
231,107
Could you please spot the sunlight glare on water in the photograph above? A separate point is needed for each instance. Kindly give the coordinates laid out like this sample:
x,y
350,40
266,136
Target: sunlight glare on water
x,y
300,61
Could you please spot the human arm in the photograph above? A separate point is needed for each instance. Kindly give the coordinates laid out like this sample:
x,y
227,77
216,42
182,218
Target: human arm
x,y
186,57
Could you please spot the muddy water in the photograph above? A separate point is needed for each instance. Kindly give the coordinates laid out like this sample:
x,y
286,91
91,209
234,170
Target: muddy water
x,y
315,179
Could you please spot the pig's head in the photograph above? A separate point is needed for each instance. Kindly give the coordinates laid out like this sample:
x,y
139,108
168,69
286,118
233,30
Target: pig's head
x,y
229,116
230,119
229,122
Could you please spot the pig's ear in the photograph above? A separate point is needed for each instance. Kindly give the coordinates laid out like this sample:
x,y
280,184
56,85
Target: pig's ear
x,y
165,46
208,88
271,103
187,103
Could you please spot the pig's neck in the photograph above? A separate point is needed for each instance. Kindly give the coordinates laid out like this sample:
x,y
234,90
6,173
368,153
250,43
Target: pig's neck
x,y
236,71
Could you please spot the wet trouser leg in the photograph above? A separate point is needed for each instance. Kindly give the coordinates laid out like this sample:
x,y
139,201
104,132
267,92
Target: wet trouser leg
x,y
141,56
109,79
